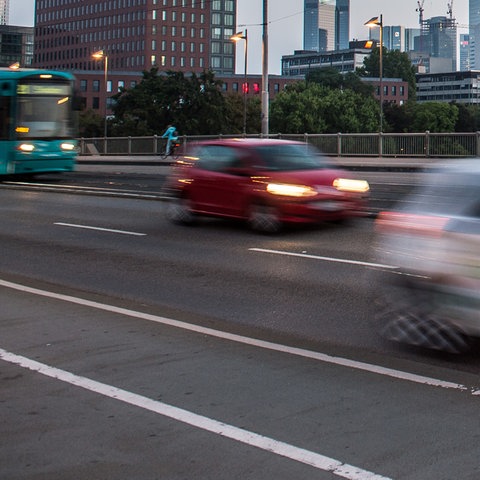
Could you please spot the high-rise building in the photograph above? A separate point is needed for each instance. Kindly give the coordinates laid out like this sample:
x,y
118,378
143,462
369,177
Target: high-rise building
x,y
4,12
464,52
310,25
136,35
442,40
342,25
326,25
474,33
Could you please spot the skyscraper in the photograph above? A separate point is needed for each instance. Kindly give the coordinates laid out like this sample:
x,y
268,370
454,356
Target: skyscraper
x,y
4,12
182,35
474,33
326,25
342,24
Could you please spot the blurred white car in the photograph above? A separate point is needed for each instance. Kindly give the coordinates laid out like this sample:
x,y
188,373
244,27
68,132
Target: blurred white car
x,y
432,296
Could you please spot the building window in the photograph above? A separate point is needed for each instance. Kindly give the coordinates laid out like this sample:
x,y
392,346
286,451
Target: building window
x,y
216,62
83,85
96,85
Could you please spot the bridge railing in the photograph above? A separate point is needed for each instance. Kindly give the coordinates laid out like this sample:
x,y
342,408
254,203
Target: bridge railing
x,y
341,144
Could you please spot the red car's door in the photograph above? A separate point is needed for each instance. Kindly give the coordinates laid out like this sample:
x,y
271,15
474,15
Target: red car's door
x,y
220,182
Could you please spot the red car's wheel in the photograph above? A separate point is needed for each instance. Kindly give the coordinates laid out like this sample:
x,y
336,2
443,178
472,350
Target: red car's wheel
x,y
264,218
179,211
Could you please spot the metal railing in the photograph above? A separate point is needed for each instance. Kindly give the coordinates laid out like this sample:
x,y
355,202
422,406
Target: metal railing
x,y
341,144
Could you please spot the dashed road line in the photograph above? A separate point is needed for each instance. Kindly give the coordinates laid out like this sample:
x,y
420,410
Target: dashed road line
x,y
89,227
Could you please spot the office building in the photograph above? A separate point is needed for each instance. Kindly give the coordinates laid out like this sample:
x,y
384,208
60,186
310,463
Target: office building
x,y
442,40
16,45
4,12
136,35
458,87
474,32
342,24
326,25
464,52
303,61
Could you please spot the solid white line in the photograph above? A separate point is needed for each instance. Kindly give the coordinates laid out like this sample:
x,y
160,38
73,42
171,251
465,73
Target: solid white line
x,y
241,339
276,447
326,259
88,227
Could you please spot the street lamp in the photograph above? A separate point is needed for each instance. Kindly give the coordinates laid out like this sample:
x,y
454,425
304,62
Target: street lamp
x,y
378,22
101,55
243,36
265,101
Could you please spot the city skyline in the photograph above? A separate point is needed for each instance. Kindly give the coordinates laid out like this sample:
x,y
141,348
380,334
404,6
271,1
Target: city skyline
x,y
288,17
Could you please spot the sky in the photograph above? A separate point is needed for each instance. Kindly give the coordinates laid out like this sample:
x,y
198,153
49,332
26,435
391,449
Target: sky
x,y
285,23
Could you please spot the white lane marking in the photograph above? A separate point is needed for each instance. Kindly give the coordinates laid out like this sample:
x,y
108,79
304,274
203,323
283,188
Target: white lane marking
x,y
268,444
325,259
88,227
322,357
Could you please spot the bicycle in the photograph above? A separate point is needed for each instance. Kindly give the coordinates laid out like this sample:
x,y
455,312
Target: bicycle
x,y
173,151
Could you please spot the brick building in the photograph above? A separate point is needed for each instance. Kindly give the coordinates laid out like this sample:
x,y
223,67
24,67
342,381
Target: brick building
x,y
135,35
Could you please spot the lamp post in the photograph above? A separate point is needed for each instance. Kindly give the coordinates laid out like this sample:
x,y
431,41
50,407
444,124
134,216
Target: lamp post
x,y
243,36
265,105
378,22
101,55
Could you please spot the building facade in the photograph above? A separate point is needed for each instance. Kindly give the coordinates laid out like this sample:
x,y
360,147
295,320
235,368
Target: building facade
x,y
459,87
474,32
136,35
302,61
464,52
16,46
4,8
326,25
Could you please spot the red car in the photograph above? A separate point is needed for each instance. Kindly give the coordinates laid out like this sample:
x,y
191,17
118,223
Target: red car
x,y
268,183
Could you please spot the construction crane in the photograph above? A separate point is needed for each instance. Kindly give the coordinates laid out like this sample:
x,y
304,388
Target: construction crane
x,y
450,9
421,22
420,11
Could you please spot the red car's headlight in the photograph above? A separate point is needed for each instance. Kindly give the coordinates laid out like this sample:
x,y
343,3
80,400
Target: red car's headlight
x,y
288,190
351,185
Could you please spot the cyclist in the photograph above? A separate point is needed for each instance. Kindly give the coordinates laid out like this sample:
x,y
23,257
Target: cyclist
x,y
171,135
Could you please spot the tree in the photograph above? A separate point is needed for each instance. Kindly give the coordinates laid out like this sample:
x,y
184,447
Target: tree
x,y
468,118
313,108
330,77
194,104
396,64
434,117
91,124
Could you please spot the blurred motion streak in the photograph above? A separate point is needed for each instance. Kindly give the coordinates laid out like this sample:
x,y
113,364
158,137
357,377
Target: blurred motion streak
x,y
435,242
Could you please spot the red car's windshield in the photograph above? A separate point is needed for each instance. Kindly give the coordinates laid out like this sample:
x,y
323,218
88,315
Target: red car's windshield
x,y
291,157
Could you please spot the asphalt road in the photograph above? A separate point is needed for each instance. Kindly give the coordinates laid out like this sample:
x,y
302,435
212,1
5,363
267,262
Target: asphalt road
x,y
92,360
